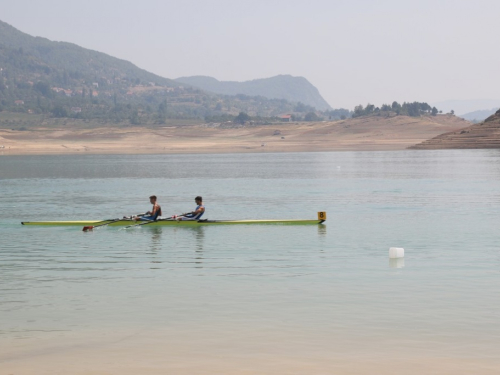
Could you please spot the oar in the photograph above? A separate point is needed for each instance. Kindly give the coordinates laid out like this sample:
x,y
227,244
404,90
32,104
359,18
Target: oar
x,y
105,222
90,227
154,221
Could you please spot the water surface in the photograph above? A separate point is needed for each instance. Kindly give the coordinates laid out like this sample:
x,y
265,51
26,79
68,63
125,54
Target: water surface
x,y
272,295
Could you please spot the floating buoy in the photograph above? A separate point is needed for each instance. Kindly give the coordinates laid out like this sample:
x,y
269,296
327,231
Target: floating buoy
x,y
396,252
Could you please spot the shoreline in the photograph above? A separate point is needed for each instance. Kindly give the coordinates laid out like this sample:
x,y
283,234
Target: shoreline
x,y
359,134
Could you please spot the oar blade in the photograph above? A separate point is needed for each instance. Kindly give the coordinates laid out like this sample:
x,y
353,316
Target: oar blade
x,y
87,228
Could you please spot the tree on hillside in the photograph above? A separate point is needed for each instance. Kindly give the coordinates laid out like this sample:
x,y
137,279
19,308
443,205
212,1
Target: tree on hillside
x,y
162,112
43,88
59,111
311,116
452,112
414,109
242,118
358,111
434,111
301,107
336,114
134,118
396,107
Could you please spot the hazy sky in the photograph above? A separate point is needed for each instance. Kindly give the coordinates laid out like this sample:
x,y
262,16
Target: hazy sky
x,y
352,51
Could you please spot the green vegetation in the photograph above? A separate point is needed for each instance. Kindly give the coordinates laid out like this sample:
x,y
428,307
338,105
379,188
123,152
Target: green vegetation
x,y
63,80
242,118
311,116
414,109
44,83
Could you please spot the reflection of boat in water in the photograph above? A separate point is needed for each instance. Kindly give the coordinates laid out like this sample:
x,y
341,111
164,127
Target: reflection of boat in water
x,y
185,223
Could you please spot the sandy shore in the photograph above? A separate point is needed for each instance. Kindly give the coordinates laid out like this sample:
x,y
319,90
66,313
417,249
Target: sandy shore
x,y
163,351
373,133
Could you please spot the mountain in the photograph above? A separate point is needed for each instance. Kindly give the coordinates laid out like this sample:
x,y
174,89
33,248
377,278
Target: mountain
x,y
59,79
480,115
483,135
63,56
293,89
466,106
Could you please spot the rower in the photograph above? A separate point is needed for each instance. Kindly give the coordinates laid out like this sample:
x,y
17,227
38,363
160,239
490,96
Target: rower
x,y
197,213
153,214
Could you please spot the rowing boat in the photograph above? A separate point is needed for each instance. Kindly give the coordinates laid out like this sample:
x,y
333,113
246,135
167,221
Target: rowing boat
x,y
174,222
187,223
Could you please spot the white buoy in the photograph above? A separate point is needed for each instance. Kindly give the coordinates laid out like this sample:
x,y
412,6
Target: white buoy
x,y
396,252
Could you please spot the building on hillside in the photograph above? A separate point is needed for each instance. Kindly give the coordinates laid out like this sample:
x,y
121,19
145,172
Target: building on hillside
x,y
95,84
76,110
286,118
19,102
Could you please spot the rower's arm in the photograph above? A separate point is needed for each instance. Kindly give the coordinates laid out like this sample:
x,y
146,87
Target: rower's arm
x,y
201,209
155,210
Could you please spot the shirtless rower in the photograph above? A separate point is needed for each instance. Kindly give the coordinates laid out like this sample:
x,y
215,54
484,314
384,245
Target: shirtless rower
x,y
197,213
153,214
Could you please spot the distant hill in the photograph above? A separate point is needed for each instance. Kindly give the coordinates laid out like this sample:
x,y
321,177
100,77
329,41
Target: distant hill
x,y
293,89
480,115
483,135
59,79
74,59
462,107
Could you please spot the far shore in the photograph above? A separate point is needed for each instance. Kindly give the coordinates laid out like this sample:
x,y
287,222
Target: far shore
x,y
360,134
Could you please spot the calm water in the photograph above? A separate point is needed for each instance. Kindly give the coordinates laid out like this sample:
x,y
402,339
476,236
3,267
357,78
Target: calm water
x,y
329,288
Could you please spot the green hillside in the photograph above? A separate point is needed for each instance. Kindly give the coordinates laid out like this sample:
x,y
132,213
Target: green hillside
x,y
58,79
75,61
293,89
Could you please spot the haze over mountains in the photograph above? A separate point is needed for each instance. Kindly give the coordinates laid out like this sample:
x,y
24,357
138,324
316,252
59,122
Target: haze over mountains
x,y
39,76
480,115
293,89
50,57
462,107
63,80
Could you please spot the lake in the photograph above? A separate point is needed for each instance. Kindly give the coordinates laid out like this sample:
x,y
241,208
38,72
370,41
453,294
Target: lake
x,y
253,299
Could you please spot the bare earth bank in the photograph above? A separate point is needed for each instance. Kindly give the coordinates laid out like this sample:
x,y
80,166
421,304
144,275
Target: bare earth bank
x,y
365,133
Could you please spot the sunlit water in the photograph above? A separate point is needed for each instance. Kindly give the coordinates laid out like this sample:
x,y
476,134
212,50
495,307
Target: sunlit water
x,y
324,288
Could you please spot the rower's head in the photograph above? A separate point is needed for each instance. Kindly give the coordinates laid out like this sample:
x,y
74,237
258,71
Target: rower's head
x,y
152,199
198,200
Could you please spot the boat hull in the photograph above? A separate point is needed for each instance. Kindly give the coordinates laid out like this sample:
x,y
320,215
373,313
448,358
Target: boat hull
x,y
186,223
